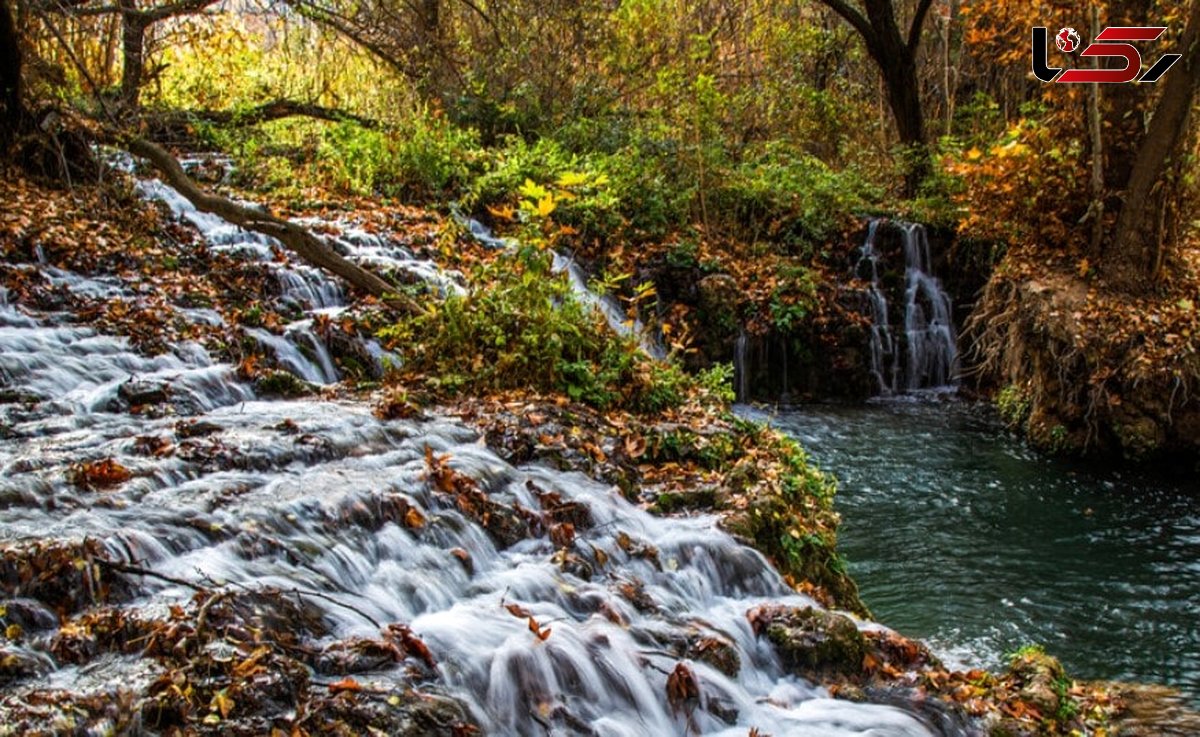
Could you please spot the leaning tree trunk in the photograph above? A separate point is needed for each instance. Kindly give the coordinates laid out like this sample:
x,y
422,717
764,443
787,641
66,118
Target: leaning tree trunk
x,y
896,57
1142,232
12,110
298,240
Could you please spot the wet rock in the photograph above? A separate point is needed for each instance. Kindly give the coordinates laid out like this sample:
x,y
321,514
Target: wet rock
x,y
18,396
1040,679
810,641
282,384
671,502
503,524
18,663
352,356
357,656
717,651
195,429
407,714
142,393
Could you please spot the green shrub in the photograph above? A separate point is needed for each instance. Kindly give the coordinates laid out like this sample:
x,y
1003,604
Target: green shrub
x,y
791,198
794,297
522,328
425,159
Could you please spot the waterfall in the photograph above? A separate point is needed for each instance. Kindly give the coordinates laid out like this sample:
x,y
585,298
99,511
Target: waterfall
x,y
930,353
298,349
881,346
614,314
741,370
253,506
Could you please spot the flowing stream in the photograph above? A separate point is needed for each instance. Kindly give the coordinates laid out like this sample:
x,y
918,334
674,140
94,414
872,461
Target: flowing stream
x,y
295,494
960,535
929,345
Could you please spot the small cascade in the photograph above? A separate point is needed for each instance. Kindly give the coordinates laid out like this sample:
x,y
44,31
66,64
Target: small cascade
x,y
882,347
310,289
299,351
929,349
741,369
303,495
307,289
614,313
253,506
932,353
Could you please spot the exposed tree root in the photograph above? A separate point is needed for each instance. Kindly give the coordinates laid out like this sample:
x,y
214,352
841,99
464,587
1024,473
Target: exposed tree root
x,y
1074,388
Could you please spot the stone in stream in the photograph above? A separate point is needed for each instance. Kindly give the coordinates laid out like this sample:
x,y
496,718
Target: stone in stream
x,y
282,384
811,641
143,393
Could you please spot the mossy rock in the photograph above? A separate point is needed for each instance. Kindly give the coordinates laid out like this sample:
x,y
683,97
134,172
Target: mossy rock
x,y
670,502
1038,677
282,384
810,641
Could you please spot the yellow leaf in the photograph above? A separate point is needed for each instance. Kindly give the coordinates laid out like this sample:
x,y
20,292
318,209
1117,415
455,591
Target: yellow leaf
x,y
572,179
1084,268
504,212
222,703
974,154
546,205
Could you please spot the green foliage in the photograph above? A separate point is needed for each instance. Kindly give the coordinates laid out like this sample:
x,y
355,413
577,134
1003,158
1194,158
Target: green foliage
x,y
789,198
793,299
717,380
522,328
424,159
1025,652
1013,403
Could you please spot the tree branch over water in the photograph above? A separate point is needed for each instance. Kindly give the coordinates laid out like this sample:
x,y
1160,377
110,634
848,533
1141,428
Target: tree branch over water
x,y
309,247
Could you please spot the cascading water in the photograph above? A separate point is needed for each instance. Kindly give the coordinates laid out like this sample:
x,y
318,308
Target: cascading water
x,y
931,350
294,494
608,306
930,354
741,368
882,347
602,662
299,350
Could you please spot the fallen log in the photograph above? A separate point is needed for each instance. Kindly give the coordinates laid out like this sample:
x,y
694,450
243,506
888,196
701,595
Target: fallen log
x,y
307,246
268,111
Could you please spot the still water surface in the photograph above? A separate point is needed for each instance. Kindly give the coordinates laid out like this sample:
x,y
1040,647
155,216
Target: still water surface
x,y
960,535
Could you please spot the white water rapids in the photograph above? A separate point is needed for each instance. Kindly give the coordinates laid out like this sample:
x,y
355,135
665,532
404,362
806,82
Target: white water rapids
x,y
289,493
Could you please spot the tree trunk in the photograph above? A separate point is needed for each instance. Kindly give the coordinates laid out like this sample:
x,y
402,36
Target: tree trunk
x,y
12,109
896,57
301,242
133,52
1142,232
899,69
